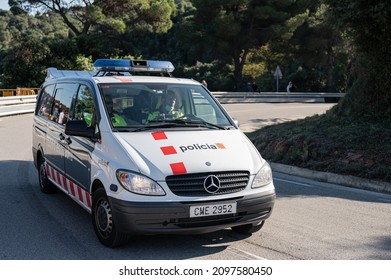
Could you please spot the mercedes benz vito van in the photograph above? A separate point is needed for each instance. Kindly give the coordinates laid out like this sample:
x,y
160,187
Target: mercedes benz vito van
x,y
147,153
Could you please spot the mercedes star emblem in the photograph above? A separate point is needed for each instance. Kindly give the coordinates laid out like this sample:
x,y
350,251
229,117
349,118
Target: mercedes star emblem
x,y
212,184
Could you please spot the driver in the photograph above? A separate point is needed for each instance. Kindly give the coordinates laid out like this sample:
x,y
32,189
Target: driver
x,y
167,109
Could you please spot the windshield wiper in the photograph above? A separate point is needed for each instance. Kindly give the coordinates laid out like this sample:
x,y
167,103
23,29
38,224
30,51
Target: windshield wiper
x,y
122,129
194,123
155,124
160,124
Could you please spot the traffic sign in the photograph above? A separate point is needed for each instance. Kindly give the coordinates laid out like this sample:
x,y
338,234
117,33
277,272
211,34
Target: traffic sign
x,y
278,73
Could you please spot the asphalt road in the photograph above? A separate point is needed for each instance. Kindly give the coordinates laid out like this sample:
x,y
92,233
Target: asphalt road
x,y
311,220
252,116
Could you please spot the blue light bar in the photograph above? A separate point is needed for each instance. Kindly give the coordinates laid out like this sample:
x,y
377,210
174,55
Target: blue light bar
x,y
124,65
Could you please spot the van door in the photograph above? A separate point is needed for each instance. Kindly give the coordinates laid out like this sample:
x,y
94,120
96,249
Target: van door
x,y
79,149
41,119
55,138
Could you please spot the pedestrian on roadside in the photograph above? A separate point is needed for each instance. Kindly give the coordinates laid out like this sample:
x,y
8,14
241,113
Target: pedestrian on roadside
x,y
293,87
255,87
289,87
249,88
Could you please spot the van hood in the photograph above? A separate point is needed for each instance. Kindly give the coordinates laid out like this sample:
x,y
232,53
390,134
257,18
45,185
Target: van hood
x,y
159,154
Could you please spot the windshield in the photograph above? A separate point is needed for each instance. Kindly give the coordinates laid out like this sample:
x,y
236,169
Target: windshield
x,y
132,106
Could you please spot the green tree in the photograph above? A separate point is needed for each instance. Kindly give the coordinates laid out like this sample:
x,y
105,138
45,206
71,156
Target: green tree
x,y
230,29
368,25
146,28
23,66
313,61
30,44
111,16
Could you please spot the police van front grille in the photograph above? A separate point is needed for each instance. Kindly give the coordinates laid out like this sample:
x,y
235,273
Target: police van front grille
x,y
193,184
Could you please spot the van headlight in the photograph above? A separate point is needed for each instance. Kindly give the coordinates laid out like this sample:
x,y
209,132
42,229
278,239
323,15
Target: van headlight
x,y
263,177
139,184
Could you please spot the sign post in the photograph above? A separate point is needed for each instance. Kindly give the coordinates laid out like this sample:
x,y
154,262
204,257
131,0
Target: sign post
x,y
278,76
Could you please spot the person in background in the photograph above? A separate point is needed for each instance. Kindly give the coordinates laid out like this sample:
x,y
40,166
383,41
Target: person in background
x,y
293,87
255,87
249,87
204,83
289,87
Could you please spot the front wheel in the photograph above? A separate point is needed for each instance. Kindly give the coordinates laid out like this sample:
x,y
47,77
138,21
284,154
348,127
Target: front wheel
x,y
103,222
249,228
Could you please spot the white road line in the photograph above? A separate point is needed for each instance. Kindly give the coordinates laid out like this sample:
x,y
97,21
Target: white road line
x,y
236,251
244,253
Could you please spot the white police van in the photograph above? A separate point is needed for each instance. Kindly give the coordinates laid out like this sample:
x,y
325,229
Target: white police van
x,y
147,154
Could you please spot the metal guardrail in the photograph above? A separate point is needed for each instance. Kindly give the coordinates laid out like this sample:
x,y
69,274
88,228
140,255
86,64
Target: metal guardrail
x,y
13,105
277,97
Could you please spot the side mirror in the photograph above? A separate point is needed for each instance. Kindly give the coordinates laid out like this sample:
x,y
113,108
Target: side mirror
x,y
79,128
236,122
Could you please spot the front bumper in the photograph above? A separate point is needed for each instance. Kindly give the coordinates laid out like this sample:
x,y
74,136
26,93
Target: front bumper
x,y
174,217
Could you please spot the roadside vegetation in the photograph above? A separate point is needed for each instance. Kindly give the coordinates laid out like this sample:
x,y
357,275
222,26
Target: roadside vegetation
x,y
354,137
228,43
330,144
320,45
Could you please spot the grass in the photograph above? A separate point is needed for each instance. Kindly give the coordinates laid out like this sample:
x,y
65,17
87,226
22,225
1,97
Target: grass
x,y
330,144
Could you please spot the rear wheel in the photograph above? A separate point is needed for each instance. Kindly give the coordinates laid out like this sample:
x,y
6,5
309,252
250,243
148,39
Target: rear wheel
x,y
103,222
249,228
44,183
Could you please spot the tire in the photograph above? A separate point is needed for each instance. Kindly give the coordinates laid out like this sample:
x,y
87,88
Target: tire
x,y
44,183
248,229
103,221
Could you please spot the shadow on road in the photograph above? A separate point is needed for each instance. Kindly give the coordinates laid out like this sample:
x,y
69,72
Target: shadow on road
x,y
42,226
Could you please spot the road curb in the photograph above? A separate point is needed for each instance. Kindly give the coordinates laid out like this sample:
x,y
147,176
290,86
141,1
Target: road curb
x,y
349,181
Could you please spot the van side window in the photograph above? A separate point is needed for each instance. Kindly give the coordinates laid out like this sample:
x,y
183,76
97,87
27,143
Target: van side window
x,y
203,107
64,95
84,106
46,101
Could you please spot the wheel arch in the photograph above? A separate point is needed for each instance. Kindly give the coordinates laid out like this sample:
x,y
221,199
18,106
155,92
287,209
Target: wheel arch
x,y
39,156
97,184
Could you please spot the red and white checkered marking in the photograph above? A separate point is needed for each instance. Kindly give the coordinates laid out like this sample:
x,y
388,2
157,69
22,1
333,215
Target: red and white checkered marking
x,y
176,167
168,150
73,190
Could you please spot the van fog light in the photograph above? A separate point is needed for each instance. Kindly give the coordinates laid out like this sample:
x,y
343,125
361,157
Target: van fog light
x,y
138,184
263,177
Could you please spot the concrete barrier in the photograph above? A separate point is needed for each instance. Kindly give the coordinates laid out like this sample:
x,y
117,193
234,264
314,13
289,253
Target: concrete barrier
x,y
332,178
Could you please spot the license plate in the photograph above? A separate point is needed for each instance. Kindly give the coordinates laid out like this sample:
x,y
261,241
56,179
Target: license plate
x,y
212,209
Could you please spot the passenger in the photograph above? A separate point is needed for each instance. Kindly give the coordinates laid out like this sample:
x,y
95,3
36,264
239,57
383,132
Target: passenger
x,y
56,112
63,118
115,118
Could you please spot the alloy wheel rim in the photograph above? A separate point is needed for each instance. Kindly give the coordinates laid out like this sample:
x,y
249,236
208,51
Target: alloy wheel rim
x,y
104,221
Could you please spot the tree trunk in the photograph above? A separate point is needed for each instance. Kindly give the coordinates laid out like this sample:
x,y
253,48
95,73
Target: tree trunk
x,y
239,57
330,70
